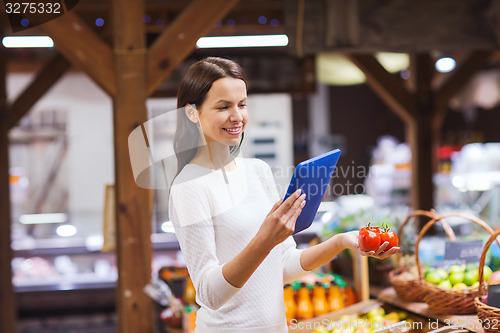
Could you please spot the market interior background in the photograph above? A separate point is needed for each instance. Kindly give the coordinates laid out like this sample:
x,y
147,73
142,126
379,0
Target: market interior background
x,y
360,75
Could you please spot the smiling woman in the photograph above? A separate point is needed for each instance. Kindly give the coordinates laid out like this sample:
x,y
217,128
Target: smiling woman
x,y
233,229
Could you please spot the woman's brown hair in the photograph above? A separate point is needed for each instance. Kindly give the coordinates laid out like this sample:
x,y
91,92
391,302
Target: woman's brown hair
x,y
193,90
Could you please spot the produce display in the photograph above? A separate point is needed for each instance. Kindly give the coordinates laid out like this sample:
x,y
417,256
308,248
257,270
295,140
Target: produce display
x,y
456,276
369,322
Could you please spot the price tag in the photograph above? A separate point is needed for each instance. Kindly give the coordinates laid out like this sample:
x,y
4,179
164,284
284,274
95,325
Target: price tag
x,y
464,251
494,295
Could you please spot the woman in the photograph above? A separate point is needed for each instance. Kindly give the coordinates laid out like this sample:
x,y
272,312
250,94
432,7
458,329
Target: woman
x,y
233,229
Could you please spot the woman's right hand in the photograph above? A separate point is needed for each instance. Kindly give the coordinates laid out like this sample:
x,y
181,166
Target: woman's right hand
x,y
280,222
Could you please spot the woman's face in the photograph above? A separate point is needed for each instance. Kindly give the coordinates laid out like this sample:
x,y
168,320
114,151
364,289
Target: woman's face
x,y
223,115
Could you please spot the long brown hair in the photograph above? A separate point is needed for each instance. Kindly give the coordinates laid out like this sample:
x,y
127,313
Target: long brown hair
x,y
193,90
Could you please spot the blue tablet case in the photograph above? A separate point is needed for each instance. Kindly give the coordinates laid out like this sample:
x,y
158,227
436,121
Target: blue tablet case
x,y
312,177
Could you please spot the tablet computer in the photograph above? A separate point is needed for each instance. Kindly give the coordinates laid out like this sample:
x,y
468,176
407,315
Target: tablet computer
x,y
312,177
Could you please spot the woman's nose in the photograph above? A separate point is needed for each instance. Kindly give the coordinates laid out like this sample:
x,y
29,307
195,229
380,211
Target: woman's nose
x,y
236,115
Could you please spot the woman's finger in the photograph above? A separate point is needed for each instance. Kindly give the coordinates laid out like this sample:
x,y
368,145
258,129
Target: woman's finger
x,y
285,206
275,207
296,204
293,219
381,248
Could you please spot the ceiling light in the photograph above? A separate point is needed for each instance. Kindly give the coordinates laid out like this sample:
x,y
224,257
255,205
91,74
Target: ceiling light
x,y
445,65
242,41
66,230
27,41
43,218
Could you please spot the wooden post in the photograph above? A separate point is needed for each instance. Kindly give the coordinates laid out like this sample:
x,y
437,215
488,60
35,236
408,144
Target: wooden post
x,y
8,305
133,217
421,138
361,276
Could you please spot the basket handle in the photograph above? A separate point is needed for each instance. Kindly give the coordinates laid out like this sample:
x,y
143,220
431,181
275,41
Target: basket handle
x,y
430,214
423,231
482,286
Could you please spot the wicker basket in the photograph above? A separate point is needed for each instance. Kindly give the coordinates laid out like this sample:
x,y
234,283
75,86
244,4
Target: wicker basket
x,y
448,301
488,315
408,289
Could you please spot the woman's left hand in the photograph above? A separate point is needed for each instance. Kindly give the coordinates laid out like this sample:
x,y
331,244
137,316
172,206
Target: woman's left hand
x,y
350,239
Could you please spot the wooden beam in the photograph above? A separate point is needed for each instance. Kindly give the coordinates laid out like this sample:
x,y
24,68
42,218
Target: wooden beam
x,y
388,87
457,80
133,214
420,136
8,304
45,79
179,40
83,48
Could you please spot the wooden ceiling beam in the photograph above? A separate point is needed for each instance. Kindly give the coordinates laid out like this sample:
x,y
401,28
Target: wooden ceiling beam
x,y
179,39
45,79
389,88
83,48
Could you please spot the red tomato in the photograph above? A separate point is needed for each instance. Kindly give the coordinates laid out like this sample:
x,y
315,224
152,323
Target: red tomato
x,y
389,236
368,240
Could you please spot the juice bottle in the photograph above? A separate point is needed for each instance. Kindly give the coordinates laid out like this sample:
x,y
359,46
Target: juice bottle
x,y
348,295
189,318
304,305
290,306
320,305
189,296
335,299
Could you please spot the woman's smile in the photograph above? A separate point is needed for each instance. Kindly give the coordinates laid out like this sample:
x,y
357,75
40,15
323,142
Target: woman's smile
x,y
233,130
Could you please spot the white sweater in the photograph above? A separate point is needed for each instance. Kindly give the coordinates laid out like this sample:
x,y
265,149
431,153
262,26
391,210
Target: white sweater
x,y
215,215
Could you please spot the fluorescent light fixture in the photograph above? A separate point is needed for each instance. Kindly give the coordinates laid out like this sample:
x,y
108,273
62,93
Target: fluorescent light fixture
x,y
27,41
43,218
66,230
242,41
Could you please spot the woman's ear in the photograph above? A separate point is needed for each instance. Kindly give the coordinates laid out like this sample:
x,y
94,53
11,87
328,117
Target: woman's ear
x,y
191,113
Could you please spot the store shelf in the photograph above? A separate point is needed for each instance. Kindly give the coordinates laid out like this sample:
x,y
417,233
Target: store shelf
x,y
469,322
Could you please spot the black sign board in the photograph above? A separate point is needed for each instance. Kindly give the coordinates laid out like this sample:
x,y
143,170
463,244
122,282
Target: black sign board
x,y
494,295
463,251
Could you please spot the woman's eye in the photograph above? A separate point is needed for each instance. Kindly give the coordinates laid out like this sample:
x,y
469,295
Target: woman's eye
x,y
243,106
223,108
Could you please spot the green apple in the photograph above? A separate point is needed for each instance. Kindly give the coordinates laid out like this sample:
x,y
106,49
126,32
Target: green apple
x,y
456,269
443,273
460,286
433,278
445,284
487,273
471,277
471,266
457,277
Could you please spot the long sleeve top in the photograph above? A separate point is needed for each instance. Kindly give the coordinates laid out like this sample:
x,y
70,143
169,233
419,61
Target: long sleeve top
x,y
215,214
